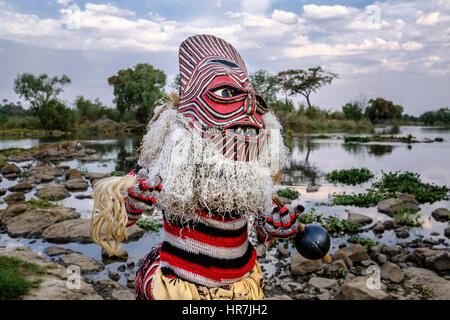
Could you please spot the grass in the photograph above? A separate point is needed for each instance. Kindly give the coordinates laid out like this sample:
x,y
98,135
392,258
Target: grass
x,y
39,204
288,193
365,242
339,273
408,218
118,173
351,176
13,277
13,151
147,224
424,291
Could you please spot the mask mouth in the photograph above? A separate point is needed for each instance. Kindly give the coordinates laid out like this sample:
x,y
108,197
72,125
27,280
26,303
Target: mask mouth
x,y
246,131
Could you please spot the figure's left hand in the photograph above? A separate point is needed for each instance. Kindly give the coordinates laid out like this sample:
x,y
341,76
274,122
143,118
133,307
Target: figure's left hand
x,y
282,222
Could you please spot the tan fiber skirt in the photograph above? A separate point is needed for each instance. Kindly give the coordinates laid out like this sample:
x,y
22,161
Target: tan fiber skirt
x,y
248,288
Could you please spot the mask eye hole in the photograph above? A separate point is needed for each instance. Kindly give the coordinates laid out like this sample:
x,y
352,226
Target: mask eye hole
x,y
227,92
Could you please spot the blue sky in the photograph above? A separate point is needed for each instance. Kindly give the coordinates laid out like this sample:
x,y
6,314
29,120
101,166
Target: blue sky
x,y
398,50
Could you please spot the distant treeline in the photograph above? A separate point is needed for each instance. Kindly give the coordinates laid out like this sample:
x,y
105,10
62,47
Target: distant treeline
x,y
137,91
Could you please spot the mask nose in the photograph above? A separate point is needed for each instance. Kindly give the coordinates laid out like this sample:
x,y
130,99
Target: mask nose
x,y
250,101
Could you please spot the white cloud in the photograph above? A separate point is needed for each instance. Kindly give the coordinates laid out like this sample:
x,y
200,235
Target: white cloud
x,y
284,16
412,46
108,9
313,11
429,19
255,6
64,2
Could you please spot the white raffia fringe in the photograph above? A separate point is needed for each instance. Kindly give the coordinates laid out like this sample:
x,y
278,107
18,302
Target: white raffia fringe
x,y
194,173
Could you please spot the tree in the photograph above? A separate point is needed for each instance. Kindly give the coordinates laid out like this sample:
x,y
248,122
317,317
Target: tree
x,y
89,110
138,90
441,116
266,85
353,111
40,90
176,85
380,109
54,115
304,82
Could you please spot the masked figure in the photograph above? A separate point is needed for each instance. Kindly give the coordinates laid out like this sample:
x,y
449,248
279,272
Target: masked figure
x,y
207,162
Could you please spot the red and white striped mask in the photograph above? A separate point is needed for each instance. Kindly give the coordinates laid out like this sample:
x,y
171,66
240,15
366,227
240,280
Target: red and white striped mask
x,y
216,94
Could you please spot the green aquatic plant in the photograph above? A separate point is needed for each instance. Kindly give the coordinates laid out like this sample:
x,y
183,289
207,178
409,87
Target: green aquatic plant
x,y
336,225
351,176
365,242
288,193
365,200
147,224
307,218
348,139
118,173
408,218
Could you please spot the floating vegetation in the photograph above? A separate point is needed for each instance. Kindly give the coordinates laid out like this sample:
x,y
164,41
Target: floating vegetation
x,y
365,242
288,193
118,173
391,185
147,224
331,224
350,176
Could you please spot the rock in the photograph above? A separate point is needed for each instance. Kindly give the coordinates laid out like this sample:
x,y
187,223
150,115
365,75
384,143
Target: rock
x,y
408,198
355,252
402,232
33,223
447,232
282,251
379,227
419,276
260,250
323,283
392,272
338,268
434,259
96,176
53,192
359,218
45,170
392,250
56,251
113,275
2,191
122,268
301,265
382,258
324,296
279,297
22,186
12,210
11,168
357,289
83,196
77,185
341,255
391,206
55,282
111,290
122,253
77,230
86,264
441,214
130,282
73,174
15,197
130,265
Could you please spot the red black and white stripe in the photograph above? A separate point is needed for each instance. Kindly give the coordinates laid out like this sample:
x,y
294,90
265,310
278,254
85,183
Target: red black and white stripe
x,y
212,252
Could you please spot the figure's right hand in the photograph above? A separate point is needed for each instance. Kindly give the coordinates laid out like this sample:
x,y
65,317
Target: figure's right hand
x,y
141,197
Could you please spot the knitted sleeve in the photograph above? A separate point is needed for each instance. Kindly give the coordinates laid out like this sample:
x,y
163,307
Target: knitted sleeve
x,y
141,196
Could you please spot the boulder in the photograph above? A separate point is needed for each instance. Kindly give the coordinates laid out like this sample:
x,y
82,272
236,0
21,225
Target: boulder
x,y
33,223
56,251
54,284
22,186
359,218
111,290
393,205
72,174
77,185
355,252
323,283
357,289
78,230
301,265
391,272
12,210
53,192
96,176
437,260
11,168
419,276
379,227
447,232
392,250
441,214
279,297
15,197
86,264
121,253
45,170
341,255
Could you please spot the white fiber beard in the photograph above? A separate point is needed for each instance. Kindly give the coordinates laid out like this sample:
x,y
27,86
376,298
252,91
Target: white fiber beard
x,y
195,174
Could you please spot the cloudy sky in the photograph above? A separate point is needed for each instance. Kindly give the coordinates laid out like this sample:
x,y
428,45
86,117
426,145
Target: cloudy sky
x,y
399,50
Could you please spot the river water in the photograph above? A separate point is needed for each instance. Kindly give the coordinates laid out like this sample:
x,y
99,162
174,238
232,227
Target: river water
x,y
309,161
